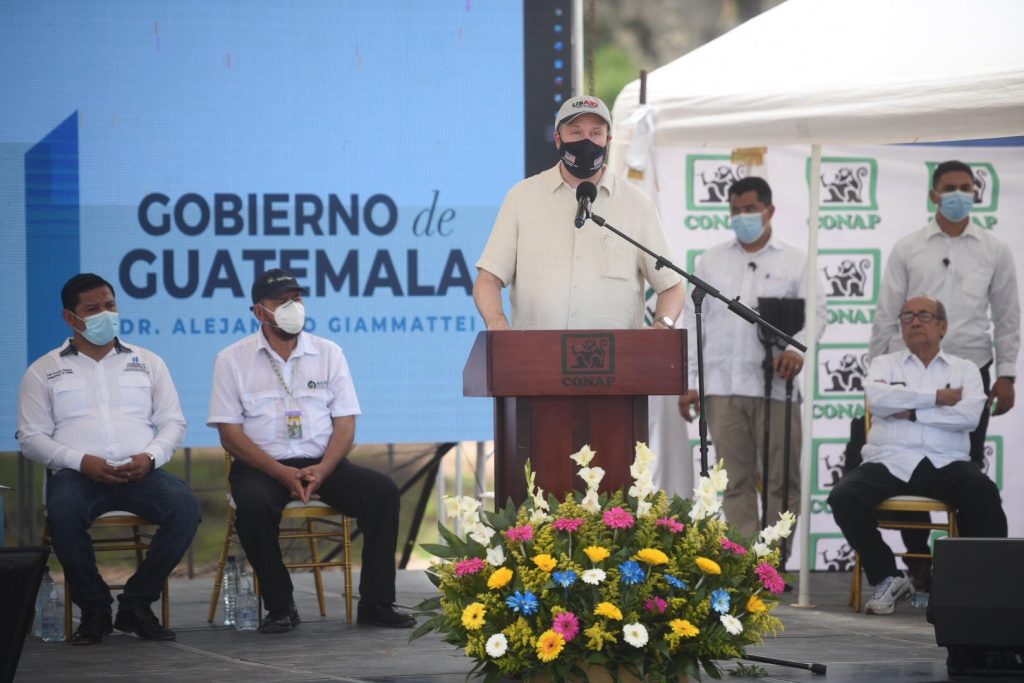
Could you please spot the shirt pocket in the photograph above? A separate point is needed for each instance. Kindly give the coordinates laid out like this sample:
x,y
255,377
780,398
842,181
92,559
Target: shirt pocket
x,y
773,286
70,399
976,283
136,394
316,410
618,260
262,415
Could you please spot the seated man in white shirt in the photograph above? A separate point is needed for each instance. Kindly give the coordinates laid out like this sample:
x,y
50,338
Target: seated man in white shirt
x,y
924,403
285,406
104,419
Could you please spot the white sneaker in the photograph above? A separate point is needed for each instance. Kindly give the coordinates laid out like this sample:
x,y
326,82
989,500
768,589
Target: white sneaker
x,y
888,592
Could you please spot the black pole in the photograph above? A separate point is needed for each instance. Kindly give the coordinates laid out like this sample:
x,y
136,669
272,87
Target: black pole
x,y
787,430
810,666
702,422
766,365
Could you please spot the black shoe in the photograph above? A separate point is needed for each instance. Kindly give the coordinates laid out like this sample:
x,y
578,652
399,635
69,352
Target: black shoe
x,y
140,620
94,626
384,616
281,620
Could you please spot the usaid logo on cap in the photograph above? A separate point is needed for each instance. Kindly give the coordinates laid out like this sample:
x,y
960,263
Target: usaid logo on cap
x,y
587,102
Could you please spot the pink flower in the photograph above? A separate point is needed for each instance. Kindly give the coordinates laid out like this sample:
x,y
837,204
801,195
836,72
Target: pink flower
x,y
569,524
617,518
673,526
470,566
567,624
770,578
734,547
520,533
656,605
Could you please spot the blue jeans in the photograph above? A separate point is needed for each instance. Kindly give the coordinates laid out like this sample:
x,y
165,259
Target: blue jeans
x,y
73,501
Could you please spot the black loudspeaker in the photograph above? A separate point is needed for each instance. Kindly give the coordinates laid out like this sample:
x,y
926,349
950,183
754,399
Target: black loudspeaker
x,y
21,571
977,604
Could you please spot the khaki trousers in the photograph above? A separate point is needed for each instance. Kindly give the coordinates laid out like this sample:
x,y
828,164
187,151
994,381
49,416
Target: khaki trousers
x,y
736,424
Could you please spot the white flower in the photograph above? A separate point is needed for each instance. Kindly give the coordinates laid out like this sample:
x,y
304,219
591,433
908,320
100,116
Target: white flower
x,y
718,477
590,503
761,549
784,527
769,535
583,456
643,454
496,556
497,645
592,476
731,624
539,517
462,507
643,508
481,533
636,634
642,488
593,576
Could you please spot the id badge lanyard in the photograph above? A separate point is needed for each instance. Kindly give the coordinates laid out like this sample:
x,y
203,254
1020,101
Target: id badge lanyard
x,y
293,413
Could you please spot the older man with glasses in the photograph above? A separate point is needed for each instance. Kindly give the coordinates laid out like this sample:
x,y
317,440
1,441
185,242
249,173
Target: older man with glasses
x,y
924,403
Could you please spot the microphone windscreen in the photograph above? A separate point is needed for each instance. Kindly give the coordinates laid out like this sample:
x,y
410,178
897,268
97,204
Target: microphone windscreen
x,y
586,190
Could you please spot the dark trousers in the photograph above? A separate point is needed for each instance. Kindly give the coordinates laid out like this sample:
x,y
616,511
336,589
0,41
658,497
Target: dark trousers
x,y
73,502
368,496
960,484
916,540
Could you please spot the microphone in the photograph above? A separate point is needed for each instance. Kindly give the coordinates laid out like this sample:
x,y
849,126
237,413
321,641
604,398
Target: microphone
x,y
945,262
586,193
752,265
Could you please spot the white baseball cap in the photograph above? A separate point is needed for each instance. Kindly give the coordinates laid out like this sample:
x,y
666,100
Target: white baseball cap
x,y
582,104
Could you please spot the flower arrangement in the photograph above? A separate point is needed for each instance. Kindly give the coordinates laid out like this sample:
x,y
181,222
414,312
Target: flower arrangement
x,y
633,581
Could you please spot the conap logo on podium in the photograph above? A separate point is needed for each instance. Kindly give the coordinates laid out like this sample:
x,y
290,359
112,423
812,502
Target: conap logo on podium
x,y
588,359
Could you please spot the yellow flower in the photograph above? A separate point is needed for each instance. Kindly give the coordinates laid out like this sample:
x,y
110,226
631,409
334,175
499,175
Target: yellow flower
x,y
607,609
500,577
652,556
473,616
683,628
545,562
708,566
596,553
597,637
549,645
756,604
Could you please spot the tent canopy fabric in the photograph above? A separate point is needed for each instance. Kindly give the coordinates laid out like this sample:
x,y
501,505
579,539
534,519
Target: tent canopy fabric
x,y
846,72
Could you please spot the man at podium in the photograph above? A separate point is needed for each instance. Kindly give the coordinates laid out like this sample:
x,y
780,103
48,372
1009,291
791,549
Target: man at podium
x,y
563,277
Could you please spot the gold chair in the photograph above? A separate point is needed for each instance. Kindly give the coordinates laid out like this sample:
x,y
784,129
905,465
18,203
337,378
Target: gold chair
x,y
309,515
902,504
137,541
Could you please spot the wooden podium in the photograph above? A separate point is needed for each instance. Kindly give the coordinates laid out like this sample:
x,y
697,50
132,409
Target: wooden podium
x,y
557,390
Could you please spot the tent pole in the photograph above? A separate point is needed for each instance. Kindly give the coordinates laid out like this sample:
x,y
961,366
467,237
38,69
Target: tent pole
x,y
810,377
578,54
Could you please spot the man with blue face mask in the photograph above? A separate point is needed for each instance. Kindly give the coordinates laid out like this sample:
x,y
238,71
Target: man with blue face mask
x,y
104,418
972,272
752,265
562,277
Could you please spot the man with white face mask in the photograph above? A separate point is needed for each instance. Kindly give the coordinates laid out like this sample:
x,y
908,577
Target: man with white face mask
x,y
752,265
285,406
104,418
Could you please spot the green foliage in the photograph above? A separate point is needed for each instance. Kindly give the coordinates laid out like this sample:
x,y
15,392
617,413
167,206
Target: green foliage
x,y
613,69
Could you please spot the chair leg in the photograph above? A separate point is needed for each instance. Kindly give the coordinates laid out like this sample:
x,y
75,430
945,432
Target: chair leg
x,y
318,577
347,568
855,585
215,595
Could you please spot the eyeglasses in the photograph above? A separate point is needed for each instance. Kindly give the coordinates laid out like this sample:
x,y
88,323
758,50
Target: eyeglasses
x,y
924,316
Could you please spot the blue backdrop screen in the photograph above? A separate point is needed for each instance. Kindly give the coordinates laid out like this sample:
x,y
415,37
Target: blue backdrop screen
x,y
178,149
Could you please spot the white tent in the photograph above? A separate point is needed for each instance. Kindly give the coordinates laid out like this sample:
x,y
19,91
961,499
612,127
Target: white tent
x,y
837,72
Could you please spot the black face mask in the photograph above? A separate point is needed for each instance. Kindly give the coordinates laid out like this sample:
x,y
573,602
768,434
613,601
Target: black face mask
x,y
582,158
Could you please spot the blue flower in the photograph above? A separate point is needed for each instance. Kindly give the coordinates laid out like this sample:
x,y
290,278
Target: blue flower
x,y
631,572
676,583
564,579
525,602
720,601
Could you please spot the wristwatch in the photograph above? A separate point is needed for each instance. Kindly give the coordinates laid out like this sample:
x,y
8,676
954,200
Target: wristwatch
x,y
668,322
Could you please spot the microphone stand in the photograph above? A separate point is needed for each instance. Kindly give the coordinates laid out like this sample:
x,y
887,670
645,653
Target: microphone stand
x,y
700,290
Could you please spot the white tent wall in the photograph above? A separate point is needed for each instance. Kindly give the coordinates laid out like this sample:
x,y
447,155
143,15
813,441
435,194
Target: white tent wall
x,y
830,72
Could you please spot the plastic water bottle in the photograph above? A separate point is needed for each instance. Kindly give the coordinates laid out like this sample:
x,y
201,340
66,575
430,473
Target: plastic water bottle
x,y
230,590
45,588
919,599
246,608
53,617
